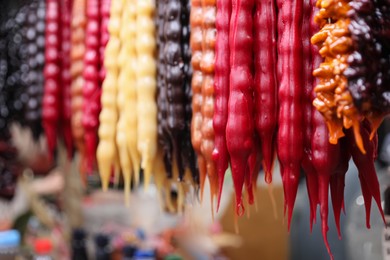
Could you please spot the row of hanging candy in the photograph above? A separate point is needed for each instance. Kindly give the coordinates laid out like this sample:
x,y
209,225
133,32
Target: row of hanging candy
x,y
54,68
47,70
134,121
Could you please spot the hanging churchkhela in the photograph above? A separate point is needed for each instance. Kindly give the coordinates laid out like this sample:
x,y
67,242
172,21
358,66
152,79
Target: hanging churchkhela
x,y
126,97
52,93
13,93
35,34
65,76
107,154
77,51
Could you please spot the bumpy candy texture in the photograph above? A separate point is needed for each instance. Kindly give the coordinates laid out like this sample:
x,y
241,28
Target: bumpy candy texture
x,y
174,79
52,89
207,66
107,150
4,111
146,86
13,83
188,153
368,81
16,81
196,40
35,34
66,78
91,88
163,137
174,88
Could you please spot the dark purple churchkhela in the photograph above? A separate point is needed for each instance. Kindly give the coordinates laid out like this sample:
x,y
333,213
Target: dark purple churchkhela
x,y
9,170
163,136
174,92
13,82
188,153
4,111
174,79
368,73
35,35
16,80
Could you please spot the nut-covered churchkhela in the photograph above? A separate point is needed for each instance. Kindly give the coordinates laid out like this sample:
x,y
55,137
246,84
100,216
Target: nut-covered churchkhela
x,y
333,99
351,95
35,35
368,85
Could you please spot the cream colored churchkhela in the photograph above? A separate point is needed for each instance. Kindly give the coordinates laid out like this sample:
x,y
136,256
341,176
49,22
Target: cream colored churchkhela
x,y
146,86
125,82
107,150
130,92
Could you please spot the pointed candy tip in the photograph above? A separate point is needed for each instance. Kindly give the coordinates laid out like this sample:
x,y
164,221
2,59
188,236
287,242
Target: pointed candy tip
x,y
289,218
240,210
105,186
358,138
236,228
311,227
325,237
267,171
212,209
289,178
221,178
382,215
338,229
268,177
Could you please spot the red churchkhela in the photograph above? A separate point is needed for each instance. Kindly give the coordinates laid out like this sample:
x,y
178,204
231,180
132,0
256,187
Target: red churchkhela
x,y
240,125
52,92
